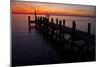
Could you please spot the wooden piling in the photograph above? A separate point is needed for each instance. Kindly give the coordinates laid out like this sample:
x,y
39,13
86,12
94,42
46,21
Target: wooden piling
x,y
63,22
60,23
73,29
29,22
47,19
60,27
63,31
57,21
51,20
35,19
35,15
73,26
73,33
89,28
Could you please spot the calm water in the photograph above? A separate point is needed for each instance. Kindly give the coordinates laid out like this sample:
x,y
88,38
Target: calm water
x,y
20,22
30,49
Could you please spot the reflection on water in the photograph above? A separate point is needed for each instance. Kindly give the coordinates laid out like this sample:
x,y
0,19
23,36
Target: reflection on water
x,y
20,22
32,48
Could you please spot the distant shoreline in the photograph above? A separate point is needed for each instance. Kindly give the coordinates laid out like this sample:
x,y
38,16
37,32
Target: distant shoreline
x,y
55,15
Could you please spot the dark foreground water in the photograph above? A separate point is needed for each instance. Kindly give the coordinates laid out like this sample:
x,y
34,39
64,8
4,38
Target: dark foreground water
x,y
32,48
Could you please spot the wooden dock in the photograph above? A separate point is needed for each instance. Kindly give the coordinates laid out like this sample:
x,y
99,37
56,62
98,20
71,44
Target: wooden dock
x,y
57,31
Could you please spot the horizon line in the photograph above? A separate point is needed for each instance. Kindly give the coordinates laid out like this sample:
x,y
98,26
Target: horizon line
x,y
53,14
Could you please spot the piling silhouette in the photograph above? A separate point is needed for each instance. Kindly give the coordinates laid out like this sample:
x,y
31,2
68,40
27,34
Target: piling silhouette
x,y
55,32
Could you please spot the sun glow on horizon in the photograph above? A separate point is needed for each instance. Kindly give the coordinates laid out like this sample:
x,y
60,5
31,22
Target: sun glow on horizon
x,y
50,8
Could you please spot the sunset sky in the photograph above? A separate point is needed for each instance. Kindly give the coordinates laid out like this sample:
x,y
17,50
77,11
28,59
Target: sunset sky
x,y
54,9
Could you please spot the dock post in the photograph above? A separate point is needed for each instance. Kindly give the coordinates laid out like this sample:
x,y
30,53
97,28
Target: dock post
x,y
63,28
52,23
56,30
51,20
35,19
57,21
73,27
60,34
52,27
60,29
40,23
63,22
29,22
60,25
35,15
73,33
60,22
89,28
47,25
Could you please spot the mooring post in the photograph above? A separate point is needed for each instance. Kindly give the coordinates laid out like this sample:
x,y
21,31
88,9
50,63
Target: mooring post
x,y
89,32
35,19
60,22
35,15
29,22
63,28
73,33
40,23
63,22
57,21
51,20
73,27
52,24
46,23
47,20
89,28
56,26
52,28
60,27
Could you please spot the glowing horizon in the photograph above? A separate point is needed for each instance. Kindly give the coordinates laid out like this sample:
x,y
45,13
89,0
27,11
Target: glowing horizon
x,y
52,8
